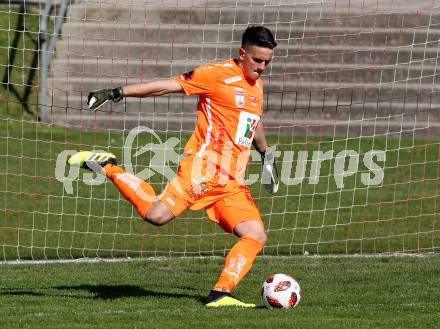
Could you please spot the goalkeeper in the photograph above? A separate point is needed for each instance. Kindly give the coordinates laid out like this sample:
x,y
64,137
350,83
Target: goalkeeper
x,y
215,158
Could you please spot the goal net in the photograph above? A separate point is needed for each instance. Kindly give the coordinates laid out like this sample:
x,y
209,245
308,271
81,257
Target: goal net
x,y
352,99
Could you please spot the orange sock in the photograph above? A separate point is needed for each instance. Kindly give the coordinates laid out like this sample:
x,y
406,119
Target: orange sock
x,y
138,192
238,262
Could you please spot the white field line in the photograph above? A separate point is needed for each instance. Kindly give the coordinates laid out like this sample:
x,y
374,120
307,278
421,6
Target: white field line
x,y
163,258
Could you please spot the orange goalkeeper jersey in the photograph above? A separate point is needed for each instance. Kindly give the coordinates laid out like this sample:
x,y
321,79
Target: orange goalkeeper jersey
x,y
228,112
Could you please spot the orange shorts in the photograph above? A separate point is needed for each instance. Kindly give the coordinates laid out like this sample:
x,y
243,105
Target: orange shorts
x,y
226,204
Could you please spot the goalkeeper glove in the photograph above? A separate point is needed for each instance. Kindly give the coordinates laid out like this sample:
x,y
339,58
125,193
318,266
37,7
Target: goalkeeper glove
x,y
97,98
269,177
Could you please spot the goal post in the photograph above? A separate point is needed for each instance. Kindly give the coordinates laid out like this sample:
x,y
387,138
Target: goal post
x,y
351,107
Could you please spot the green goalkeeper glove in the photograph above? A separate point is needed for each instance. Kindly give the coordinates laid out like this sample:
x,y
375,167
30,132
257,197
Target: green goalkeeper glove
x,y
97,98
269,176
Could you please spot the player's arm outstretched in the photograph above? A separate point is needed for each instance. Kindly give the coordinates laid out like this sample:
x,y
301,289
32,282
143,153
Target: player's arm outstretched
x,y
97,98
269,176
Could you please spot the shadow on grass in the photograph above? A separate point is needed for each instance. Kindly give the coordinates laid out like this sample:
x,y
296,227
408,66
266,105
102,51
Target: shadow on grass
x,y
102,291
106,292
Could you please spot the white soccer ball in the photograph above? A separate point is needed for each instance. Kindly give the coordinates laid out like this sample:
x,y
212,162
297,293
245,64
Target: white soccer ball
x,y
280,291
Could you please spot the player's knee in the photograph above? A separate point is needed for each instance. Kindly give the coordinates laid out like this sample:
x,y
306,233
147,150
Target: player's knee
x,y
157,216
253,229
261,237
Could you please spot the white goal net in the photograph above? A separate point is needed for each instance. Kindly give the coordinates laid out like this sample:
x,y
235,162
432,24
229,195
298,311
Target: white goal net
x,y
352,105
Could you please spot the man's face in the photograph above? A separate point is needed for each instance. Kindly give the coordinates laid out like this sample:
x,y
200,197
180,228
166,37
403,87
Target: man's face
x,y
254,60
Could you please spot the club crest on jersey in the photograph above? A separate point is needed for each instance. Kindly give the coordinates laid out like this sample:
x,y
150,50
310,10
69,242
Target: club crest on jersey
x,y
247,124
239,97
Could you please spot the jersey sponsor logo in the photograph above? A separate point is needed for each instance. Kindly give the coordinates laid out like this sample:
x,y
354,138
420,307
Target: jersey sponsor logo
x,y
239,97
247,124
187,75
233,79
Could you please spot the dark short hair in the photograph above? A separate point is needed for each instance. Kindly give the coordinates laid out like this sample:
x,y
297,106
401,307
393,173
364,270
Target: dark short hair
x,y
257,35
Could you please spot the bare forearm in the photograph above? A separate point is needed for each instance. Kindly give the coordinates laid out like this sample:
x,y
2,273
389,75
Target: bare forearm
x,y
154,88
259,141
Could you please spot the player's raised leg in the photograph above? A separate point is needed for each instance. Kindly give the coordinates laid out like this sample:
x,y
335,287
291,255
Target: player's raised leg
x,y
138,192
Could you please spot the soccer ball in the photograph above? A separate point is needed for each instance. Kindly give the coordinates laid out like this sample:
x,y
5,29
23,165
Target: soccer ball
x,y
280,291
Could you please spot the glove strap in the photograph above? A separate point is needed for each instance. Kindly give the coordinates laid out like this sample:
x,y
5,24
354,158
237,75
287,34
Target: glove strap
x,y
116,94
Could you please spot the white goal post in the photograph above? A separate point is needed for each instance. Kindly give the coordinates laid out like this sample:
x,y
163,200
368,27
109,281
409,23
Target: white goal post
x,y
352,106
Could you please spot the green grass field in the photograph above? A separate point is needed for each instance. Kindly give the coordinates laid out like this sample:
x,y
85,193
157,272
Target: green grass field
x,y
390,292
